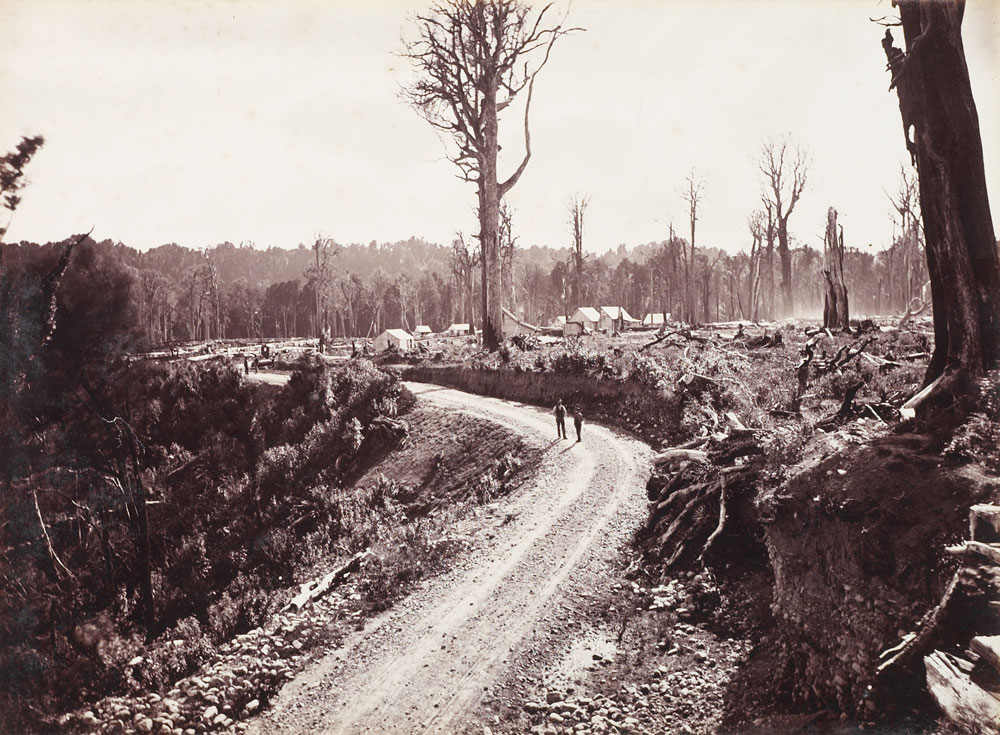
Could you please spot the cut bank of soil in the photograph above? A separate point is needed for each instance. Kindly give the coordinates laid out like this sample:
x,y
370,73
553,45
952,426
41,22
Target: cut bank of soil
x,y
856,541
445,455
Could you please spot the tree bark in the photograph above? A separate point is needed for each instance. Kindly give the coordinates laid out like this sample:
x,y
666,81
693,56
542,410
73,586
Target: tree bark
x,y
785,256
941,128
835,311
489,219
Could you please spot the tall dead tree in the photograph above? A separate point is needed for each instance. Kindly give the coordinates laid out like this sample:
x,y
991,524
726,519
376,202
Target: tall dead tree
x,y
706,286
941,130
785,166
907,206
755,223
463,261
835,311
473,58
577,211
770,233
508,245
692,194
321,276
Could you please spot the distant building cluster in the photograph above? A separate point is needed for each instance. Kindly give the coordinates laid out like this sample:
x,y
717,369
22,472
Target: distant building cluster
x,y
585,320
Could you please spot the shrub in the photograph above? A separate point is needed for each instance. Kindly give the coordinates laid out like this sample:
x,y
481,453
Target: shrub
x,y
240,476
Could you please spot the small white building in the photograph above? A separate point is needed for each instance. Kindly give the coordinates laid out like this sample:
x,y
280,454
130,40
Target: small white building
x,y
615,319
558,323
457,329
422,330
585,318
398,338
655,319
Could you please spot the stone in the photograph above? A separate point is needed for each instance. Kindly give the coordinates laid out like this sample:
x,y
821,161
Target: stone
x,y
252,705
210,712
552,696
145,725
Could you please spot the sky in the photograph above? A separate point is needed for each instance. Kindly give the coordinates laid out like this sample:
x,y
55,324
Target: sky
x,y
204,121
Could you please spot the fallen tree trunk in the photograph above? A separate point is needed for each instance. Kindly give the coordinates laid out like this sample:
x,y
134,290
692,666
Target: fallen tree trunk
x,y
677,454
962,701
312,591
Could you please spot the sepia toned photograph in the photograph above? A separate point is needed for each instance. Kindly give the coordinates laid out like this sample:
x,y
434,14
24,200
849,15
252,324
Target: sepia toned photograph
x,y
499,367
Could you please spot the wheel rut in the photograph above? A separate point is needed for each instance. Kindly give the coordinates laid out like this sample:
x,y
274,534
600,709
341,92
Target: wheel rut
x,y
424,665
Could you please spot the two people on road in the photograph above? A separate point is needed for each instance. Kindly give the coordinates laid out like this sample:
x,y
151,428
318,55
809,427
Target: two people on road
x,y
560,412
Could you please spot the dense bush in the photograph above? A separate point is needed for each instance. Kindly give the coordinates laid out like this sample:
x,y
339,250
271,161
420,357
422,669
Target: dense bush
x,y
181,481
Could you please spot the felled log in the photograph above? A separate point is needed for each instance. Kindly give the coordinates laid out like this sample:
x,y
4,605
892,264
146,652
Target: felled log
x,y
312,591
988,648
913,309
845,408
676,454
764,340
920,640
974,549
908,410
984,523
962,701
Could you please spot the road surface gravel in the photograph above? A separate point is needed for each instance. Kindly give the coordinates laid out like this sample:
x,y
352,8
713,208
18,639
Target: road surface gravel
x,y
428,664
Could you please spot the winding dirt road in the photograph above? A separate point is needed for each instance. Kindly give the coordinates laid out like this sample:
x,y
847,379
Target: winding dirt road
x,y
426,665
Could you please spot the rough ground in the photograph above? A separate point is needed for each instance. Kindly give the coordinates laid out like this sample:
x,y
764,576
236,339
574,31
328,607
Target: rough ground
x,y
427,664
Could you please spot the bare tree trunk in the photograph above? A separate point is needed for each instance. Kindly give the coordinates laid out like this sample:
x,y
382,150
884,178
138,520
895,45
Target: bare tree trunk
x,y
577,210
835,312
489,223
941,126
785,257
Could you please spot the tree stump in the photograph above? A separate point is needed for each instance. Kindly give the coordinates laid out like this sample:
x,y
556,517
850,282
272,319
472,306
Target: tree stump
x,y
835,312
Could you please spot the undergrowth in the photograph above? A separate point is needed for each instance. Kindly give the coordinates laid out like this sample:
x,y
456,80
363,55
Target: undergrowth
x,y
243,490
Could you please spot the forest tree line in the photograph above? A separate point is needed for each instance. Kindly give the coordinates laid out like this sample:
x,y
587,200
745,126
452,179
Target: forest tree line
x,y
174,293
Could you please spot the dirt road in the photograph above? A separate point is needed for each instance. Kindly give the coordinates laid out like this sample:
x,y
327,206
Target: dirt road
x,y
426,665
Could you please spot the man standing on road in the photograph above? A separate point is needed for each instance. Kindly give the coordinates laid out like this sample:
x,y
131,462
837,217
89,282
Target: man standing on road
x,y
560,412
577,421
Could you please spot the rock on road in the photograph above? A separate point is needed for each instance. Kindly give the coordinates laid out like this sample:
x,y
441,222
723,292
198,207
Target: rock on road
x,y
424,665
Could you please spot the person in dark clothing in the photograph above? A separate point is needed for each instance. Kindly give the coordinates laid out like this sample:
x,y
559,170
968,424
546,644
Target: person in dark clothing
x,y
577,421
246,365
560,412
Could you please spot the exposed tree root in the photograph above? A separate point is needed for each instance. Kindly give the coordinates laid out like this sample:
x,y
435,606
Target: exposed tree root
x,y
697,492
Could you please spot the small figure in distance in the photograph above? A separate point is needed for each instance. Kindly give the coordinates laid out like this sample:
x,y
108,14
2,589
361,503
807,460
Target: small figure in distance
x,y
577,421
560,412
246,365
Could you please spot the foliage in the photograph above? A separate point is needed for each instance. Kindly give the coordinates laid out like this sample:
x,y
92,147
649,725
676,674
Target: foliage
x,y
12,172
236,481
173,293
978,438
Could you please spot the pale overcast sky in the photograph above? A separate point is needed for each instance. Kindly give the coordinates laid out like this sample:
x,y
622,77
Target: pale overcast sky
x,y
200,121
